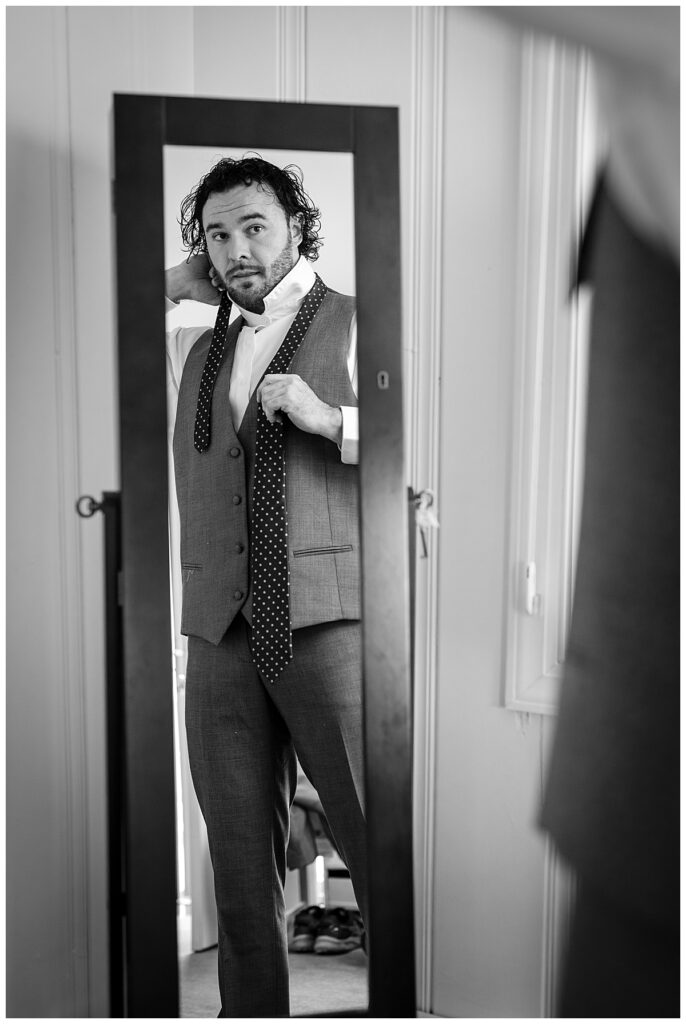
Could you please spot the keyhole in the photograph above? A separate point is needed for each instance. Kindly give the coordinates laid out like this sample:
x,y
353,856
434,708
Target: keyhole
x,y
382,380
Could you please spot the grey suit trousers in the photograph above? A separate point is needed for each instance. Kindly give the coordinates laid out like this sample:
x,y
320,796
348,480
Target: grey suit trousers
x,y
243,735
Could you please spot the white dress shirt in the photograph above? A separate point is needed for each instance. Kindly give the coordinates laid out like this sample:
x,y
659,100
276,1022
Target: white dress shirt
x,y
258,342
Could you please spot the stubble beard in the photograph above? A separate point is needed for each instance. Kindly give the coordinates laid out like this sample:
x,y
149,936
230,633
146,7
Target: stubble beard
x,y
252,298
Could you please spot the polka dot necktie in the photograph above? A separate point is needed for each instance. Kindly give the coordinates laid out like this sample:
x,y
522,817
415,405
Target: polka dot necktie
x,y
271,627
202,434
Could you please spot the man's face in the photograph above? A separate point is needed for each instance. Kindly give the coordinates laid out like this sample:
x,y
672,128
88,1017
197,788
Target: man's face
x,y
250,242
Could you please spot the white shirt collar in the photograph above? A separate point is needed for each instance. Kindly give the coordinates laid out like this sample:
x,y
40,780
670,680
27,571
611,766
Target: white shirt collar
x,y
285,298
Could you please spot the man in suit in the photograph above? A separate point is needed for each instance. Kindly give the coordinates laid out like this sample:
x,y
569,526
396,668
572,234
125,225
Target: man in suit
x,y
256,692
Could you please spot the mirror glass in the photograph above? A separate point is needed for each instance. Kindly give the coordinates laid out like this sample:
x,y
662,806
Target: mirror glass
x,y
317,876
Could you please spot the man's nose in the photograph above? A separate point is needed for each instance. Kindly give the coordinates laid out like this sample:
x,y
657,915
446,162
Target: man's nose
x,y
237,249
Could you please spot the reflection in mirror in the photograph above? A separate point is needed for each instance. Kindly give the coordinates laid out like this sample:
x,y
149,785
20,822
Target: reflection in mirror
x,y
290,883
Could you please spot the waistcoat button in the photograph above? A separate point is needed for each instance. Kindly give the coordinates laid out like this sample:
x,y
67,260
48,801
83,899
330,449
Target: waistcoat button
x,y
237,499
235,452
240,548
238,594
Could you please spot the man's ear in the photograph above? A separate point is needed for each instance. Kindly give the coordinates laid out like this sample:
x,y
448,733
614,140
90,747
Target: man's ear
x,y
296,229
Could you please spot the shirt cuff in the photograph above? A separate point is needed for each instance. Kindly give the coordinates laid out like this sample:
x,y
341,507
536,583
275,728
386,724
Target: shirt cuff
x,y
350,436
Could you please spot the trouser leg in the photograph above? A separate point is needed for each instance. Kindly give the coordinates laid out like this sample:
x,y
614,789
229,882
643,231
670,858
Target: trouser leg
x,y
319,696
243,769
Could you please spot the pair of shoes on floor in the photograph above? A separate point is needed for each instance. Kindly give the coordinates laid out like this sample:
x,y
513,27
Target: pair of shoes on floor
x,y
326,930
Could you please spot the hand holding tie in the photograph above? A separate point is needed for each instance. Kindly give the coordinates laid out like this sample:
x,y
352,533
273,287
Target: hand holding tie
x,y
288,393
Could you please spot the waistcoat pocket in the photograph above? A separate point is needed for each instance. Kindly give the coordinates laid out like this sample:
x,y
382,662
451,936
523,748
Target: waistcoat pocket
x,y
336,549
188,569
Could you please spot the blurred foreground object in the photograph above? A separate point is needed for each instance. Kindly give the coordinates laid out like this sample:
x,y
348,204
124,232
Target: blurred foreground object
x,y
612,797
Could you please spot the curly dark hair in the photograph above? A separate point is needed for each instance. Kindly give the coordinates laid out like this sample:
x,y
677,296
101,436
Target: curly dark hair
x,y
286,185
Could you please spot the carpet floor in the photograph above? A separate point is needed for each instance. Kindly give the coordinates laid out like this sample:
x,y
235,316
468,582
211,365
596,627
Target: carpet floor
x,y
319,984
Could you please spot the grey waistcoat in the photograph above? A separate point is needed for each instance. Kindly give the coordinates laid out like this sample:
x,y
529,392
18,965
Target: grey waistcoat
x,y
214,491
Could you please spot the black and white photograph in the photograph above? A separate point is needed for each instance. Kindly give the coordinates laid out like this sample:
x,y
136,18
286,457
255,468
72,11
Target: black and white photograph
x,y
342,497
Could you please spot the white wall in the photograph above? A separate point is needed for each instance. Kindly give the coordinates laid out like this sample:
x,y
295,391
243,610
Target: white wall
x,y
454,76
489,860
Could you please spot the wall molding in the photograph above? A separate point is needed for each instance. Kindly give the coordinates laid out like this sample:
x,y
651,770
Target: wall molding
x,y
72,652
291,54
549,375
423,340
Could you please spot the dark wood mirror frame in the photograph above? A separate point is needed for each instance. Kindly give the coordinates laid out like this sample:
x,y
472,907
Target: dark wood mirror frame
x,y
143,851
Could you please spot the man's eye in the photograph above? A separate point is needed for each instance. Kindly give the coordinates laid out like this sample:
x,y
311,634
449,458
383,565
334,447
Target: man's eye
x,y
255,229
218,236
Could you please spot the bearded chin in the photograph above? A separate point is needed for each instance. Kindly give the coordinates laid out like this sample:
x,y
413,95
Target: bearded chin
x,y
253,300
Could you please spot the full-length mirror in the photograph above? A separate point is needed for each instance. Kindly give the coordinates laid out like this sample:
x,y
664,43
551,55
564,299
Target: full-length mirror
x,y
278,425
